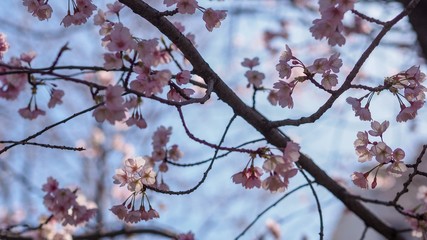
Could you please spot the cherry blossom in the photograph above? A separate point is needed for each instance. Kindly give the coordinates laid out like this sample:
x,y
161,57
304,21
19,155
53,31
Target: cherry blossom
x,y
39,8
55,97
113,97
378,129
31,113
112,61
363,113
250,63
103,113
115,7
99,18
213,18
249,177
4,45
255,78
359,180
408,113
119,39
329,80
63,204
284,69
183,77
422,193
187,6
26,57
284,93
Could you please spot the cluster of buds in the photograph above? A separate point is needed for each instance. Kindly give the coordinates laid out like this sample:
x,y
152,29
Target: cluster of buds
x,y
384,155
280,168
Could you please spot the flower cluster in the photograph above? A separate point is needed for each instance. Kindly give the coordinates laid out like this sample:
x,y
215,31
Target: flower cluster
x,y
82,10
419,226
114,107
4,45
406,86
280,168
63,204
254,77
212,18
39,8
325,66
366,150
330,24
136,174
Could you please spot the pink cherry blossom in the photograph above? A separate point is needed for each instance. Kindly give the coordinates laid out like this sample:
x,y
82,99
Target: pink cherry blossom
x,y
255,78
363,113
272,161
183,77
359,180
362,139
175,153
397,168
136,119
161,137
4,45
55,97
187,6
25,57
291,153
169,3
112,61
67,20
113,97
213,18
249,177
284,69
133,216
103,113
250,63
119,39
151,213
51,185
382,152
378,129
422,193
286,56
273,183
329,80
39,8
363,154
134,165
284,93
31,114
148,176
115,7
335,63
99,18
273,98
319,65
408,113
398,154
121,177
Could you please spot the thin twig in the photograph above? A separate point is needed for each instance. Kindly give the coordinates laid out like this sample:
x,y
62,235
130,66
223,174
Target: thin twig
x,y
46,145
270,207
